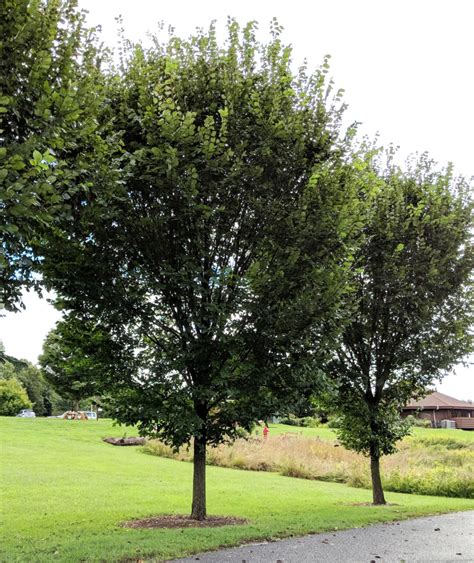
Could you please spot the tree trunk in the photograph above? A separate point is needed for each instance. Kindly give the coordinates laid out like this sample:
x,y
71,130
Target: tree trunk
x,y
199,478
377,490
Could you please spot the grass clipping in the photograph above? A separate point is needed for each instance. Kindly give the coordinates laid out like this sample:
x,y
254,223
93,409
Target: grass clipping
x,y
437,466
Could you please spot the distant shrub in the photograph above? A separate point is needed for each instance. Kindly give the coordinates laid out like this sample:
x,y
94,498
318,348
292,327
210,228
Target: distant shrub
x,y
418,422
13,397
289,420
422,423
306,421
311,422
333,422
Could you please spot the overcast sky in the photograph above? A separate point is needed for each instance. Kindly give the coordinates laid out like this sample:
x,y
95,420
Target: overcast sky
x,y
405,66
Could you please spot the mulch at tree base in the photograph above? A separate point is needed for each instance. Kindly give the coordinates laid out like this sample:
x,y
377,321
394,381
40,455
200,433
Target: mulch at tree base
x,y
369,504
181,521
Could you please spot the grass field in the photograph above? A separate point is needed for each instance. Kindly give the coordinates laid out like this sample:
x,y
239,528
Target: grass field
x,y
65,493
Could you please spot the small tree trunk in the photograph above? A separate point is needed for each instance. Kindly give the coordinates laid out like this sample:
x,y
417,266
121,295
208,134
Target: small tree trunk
x,y
377,490
199,478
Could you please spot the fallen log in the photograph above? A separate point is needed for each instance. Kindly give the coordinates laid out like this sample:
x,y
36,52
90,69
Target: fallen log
x,y
125,441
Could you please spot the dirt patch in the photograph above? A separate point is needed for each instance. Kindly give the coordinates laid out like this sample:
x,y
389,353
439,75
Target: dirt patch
x,y
181,521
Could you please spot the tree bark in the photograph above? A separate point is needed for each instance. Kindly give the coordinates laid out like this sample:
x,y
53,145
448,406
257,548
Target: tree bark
x,y
198,511
377,490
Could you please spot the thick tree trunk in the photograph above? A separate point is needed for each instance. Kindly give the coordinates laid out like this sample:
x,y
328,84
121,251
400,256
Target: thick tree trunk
x,y
377,490
199,478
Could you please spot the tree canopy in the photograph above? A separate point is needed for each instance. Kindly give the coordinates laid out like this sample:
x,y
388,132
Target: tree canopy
x,y
42,396
213,251
74,359
49,92
13,397
413,305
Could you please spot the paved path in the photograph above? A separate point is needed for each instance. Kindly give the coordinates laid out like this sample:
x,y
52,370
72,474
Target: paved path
x,y
435,538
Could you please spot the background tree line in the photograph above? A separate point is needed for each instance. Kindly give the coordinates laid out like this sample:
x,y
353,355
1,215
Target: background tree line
x,y
23,386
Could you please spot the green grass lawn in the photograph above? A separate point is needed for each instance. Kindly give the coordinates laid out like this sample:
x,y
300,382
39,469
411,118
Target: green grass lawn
x,y
64,493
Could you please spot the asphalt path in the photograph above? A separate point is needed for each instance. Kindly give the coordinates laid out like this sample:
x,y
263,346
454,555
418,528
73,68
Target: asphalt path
x,y
445,538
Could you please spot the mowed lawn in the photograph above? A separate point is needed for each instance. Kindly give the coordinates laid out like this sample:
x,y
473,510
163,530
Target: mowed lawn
x,y
65,493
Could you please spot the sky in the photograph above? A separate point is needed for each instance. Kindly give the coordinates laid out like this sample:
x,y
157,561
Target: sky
x,y
405,66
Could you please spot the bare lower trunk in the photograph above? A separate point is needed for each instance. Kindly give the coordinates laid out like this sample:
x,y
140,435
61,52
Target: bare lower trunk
x,y
199,478
377,490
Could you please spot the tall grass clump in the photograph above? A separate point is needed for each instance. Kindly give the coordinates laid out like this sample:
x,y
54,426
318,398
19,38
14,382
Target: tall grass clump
x,y
429,466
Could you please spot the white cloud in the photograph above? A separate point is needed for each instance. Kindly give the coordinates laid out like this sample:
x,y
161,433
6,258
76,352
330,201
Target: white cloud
x,y
405,66
460,383
23,333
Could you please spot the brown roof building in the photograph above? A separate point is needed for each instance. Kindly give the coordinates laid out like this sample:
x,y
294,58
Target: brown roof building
x,y
436,407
